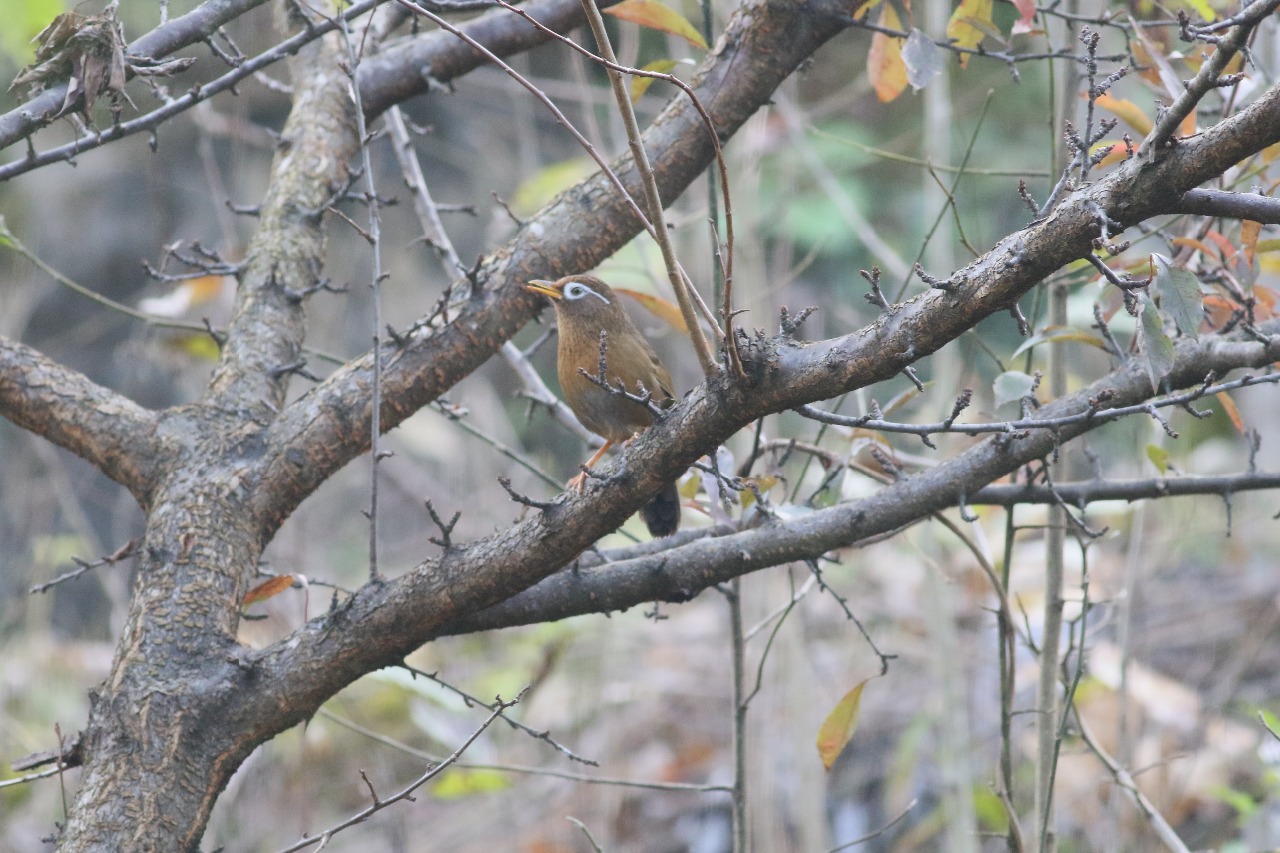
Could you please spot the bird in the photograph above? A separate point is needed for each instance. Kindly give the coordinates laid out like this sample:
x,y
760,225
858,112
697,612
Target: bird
x,y
587,309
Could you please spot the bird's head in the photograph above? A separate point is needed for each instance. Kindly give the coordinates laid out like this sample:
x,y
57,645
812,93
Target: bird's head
x,y
582,300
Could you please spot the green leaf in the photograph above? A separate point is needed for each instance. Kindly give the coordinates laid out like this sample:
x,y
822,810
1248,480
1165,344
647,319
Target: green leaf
x,y
23,22
1154,345
1271,721
1244,804
1159,457
1180,296
990,809
1012,385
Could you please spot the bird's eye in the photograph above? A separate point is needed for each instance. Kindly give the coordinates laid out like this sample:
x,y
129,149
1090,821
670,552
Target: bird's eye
x,y
576,290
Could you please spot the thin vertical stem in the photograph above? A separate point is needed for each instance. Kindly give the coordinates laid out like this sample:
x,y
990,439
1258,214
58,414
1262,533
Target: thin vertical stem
x,y
738,650
1055,540
375,240
653,200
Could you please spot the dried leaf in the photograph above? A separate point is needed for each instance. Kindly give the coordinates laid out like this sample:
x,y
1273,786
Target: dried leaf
x,y
267,589
1229,406
885,67
837,729
656,16
87,52
1027,15
1195,244
1249,231
1127,111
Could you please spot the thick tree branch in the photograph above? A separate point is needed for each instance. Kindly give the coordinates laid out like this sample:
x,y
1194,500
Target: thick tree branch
x,y
681,572
380,625
762,44
416,66
200,548
286,255
1259,208
1206,78
586,224
60,404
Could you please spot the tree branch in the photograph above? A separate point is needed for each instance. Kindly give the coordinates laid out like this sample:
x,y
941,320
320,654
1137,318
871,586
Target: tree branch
x,y
1203,202
57,403
195,26
680,572
764,42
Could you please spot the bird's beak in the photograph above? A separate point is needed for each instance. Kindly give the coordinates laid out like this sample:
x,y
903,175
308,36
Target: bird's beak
x,y
546,288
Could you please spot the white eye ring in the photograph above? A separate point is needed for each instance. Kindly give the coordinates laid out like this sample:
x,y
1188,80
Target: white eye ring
x,y
575,290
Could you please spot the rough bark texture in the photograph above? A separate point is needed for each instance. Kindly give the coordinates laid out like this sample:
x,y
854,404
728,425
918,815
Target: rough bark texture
x,y
185,704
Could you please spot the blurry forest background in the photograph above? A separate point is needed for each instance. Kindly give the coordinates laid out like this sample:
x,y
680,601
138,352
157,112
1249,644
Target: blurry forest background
x,y
1182,625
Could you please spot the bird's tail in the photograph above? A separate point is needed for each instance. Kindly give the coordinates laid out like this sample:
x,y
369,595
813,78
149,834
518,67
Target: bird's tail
x,y
662,514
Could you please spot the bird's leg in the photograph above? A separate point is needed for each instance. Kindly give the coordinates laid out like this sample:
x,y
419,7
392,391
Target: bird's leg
x,y
579,482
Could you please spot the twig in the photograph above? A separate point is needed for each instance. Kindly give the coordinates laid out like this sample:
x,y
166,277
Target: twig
x,y
405,793
1017,426
1163,830
1206,79
153,119
470,700
653,201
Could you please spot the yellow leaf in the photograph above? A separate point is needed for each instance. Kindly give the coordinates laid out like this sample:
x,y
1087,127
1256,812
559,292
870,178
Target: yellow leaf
x,y
640,85
763,485
202,346
1203,9
1159,457
663,309
459,782
969,23
837,729
652,14
1127,111
267,589
885,67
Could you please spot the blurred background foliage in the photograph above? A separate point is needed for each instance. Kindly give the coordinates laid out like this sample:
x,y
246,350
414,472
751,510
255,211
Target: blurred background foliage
x,y
1184,595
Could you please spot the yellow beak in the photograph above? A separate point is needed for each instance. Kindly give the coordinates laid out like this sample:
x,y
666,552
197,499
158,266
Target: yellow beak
x,y
546,288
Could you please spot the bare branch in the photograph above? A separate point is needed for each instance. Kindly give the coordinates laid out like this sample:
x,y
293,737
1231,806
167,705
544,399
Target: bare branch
x,y
55,402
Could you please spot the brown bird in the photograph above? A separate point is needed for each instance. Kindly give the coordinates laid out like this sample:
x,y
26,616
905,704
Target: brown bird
x,y
585,307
